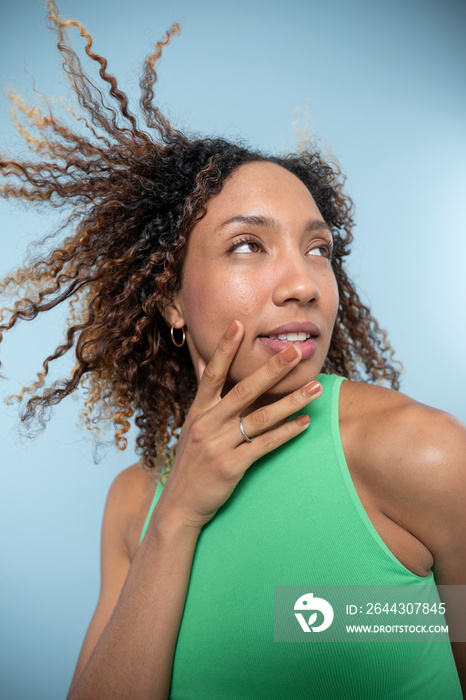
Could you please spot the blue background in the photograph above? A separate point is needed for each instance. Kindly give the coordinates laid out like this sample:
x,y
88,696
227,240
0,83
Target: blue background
x,y
381,85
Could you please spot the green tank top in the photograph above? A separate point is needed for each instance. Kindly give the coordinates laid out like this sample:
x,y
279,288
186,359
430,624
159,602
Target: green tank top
x,y
295,519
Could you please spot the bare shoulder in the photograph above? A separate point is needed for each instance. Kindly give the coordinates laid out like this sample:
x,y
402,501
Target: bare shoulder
x,y
413,457
392,424
128,501
360,399
131,483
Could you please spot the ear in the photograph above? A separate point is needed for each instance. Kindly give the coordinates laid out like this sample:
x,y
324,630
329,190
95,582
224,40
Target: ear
x,y
173,314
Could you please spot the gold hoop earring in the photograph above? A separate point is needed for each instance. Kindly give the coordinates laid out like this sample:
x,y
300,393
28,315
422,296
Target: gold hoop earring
x,y
172,333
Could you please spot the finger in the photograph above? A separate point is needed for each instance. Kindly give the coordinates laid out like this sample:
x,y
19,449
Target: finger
x,y
215,372
269,416
271,439
245,392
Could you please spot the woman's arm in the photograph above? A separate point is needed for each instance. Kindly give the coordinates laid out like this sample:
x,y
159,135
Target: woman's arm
x,y
445,524
130,644
128,649
414,458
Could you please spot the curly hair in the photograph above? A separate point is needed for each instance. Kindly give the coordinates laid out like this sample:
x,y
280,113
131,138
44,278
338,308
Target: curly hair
x,y
135,195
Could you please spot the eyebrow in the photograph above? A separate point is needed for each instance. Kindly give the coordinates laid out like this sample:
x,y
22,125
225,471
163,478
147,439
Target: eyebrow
x,y
266,222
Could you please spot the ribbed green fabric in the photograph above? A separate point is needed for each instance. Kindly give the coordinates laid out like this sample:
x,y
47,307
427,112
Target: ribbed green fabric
x,y
295,519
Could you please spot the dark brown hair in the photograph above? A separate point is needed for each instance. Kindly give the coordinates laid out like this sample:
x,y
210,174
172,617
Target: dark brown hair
x,y
135,195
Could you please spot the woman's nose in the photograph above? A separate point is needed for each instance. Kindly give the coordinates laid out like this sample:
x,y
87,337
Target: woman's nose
x,y
295,281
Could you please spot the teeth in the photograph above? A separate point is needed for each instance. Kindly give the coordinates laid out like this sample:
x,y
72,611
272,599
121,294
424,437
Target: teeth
x,y
291,337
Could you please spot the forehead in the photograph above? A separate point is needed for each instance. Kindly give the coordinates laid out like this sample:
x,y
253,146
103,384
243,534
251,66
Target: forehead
x,y
265,189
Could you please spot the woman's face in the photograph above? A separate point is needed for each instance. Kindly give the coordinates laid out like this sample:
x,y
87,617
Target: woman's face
x,y
259,256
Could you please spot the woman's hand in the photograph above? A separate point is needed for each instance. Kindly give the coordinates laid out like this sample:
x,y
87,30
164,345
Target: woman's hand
x,y
212,454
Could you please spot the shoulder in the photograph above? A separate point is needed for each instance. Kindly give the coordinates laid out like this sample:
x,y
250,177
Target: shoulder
x,y
414,459
130,482
391,424
128,501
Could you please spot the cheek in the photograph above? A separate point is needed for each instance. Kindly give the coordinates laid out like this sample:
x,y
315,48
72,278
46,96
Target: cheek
x,y
211,301
335,298
329,296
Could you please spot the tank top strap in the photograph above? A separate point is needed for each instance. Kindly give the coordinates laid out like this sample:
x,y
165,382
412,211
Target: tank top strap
x,y
155,499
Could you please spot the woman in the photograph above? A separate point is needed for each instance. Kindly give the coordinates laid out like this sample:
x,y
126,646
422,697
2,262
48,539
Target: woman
x,y
213,299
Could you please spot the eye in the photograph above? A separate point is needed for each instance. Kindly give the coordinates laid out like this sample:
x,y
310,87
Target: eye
x,y
324,250
245,245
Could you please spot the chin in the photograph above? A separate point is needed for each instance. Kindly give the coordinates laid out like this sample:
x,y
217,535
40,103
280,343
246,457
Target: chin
x,y
293,381
300,375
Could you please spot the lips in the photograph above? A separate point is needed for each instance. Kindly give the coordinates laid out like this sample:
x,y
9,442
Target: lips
x,y
303,334
310,329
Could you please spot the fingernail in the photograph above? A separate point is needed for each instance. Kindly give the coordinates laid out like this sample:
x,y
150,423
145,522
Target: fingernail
x,y
303,421
289,354
233,329
312,388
